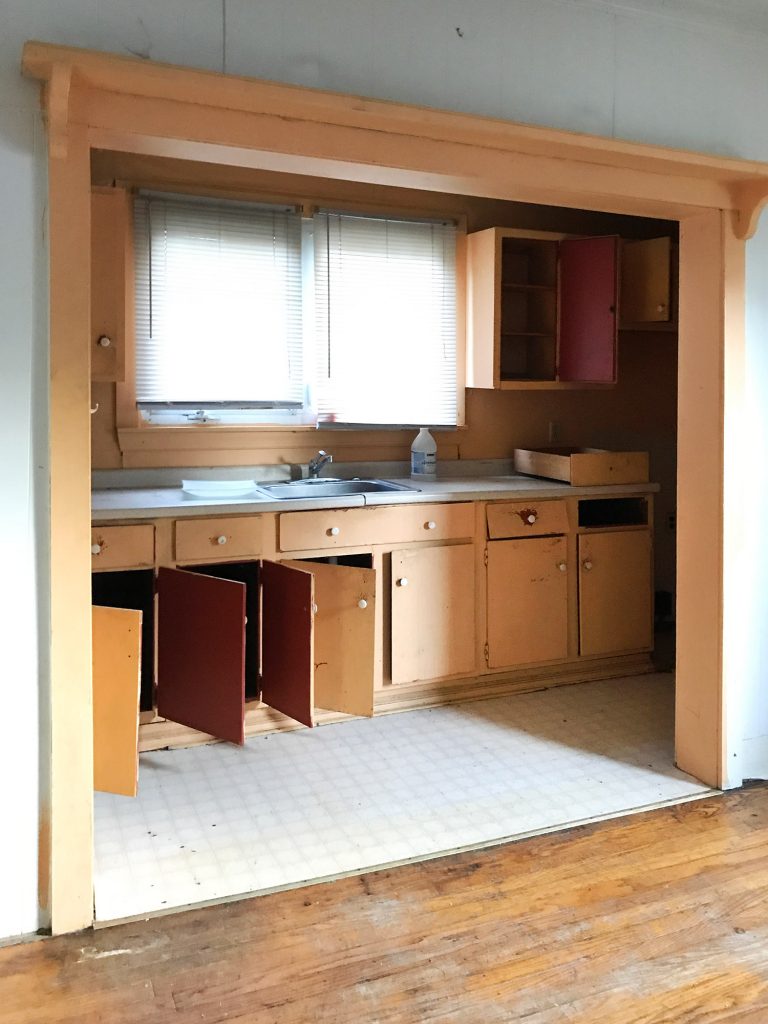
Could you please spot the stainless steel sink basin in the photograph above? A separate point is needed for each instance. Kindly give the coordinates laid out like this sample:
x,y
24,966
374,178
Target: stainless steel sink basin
x,y
329,488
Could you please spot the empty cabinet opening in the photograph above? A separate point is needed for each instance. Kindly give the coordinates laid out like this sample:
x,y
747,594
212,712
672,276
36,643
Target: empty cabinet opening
x,y
133,589
247,573
613,512
362,561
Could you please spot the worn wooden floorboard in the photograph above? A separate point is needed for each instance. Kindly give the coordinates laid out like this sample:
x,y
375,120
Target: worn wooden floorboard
x,y
659,918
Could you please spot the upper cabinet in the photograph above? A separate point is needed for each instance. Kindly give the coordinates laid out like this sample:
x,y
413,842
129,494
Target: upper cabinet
x,y
541,310
647,270
110,264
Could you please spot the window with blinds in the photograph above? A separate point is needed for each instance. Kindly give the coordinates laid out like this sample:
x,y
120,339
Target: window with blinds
x,y
385,320
254,315
218,304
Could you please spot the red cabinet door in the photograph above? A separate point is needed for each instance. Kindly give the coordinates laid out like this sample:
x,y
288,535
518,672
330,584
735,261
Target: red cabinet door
x,y
588,297
201,652
287,640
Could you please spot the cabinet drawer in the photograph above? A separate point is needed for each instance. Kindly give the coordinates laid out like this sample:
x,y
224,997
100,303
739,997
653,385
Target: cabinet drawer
x,y
526,518
361,527
219,538
122,547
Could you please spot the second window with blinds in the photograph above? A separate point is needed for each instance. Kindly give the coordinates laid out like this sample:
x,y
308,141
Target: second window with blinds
x,y
252,314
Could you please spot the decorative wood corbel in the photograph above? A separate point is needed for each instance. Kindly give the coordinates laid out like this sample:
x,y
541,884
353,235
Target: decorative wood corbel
x,y
56,104
749,199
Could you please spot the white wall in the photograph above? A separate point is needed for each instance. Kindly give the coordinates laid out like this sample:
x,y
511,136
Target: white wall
x,y
636,70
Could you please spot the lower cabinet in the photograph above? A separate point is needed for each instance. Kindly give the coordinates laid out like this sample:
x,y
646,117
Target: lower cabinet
x,y
313,623
527,601
317,638
433,612
615,592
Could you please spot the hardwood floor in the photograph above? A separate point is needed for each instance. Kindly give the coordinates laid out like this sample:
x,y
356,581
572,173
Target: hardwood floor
x,y
659,918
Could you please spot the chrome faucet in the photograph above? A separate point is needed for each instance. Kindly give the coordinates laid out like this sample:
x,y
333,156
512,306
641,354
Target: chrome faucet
x,y
315,465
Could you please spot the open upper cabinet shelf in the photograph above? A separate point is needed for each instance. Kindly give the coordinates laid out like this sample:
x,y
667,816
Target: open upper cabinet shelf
x,y
541,310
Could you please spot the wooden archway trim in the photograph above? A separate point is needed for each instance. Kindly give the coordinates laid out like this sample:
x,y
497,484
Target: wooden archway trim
x,y
96,100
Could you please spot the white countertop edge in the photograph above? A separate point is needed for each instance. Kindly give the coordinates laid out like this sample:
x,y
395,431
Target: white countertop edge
x,y
157,503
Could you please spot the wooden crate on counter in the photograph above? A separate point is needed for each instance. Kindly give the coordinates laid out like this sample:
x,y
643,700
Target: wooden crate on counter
x,y
583,467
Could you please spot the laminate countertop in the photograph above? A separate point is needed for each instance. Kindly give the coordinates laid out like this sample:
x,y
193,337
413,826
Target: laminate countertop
x,y
113,504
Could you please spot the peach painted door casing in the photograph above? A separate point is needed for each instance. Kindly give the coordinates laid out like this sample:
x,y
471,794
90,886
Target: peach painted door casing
x,y
433,612
615,592
527,601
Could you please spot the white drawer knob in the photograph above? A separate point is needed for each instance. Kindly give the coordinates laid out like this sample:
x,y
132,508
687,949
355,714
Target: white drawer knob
x,y
95,549
431,525
221,540
402,582
104,341
660,308
587,565
531,518
362,603
562,566
333,531
314,609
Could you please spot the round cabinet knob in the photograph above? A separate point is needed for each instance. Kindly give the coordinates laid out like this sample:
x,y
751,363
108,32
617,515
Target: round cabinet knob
x,y
221,540
660,308
362,603
587,565
531,518
333,531
431,525
104,341
562,566
314,609
95,549
402,582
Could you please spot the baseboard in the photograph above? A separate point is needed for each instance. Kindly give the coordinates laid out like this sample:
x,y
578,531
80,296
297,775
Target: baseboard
x,y
754,758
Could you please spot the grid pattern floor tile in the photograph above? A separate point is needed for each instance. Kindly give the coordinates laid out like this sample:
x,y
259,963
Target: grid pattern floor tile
x,y
216,821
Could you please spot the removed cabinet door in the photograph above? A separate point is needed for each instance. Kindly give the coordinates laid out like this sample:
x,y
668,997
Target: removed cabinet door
x,y
433,612
201,652
116,678
527,601
615,592
588,298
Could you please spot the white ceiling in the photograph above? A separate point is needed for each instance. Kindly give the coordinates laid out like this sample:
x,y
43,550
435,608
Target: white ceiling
x,y
750,16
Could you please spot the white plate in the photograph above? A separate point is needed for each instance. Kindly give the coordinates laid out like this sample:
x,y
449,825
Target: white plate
x,y
218,488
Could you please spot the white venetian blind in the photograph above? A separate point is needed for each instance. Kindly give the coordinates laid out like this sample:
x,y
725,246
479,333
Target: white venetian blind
x,y
218,303
385,300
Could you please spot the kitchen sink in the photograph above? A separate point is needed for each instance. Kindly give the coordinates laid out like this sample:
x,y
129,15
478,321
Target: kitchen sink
x,y
326,488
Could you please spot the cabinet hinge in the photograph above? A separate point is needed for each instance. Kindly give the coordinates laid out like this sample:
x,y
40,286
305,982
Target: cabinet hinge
x,y
487,654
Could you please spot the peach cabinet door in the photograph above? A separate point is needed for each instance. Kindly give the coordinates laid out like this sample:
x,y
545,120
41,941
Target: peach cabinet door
x,y
344,635
615,592
527,601
433,612
116,677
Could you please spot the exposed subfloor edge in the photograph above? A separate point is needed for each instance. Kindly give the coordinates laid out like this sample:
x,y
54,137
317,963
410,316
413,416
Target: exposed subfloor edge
x,y
388,865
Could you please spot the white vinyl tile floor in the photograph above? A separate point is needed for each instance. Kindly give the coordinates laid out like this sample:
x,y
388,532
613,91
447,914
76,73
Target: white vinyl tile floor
x,y
217,821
